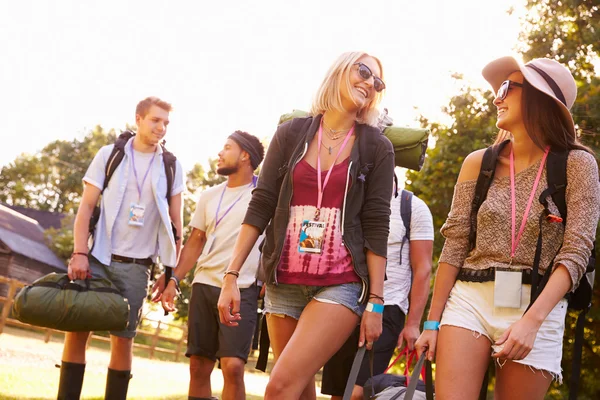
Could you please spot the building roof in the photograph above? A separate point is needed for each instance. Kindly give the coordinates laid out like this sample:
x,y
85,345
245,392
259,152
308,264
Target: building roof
x,y
46,219
25,236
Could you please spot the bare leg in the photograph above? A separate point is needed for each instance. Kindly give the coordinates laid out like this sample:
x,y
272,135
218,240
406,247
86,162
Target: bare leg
x,y
281,329
75,346
516,381
320,332
200,370
461,361
121,353
233,377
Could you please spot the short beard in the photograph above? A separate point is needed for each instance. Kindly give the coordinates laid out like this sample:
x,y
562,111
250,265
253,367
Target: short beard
x,y
226,171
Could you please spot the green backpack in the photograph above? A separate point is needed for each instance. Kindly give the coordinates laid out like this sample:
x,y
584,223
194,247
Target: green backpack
x,y
53,301
410,144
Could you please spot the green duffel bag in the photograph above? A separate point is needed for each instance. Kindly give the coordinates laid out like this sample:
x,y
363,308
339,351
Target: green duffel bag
x,y
410,144
53,301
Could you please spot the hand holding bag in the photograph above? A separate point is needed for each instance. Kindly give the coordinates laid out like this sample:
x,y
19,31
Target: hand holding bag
x,y
54,301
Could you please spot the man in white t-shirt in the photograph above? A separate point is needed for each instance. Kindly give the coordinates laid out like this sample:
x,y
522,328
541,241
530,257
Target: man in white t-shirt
x,y
216,224
408,273
134,227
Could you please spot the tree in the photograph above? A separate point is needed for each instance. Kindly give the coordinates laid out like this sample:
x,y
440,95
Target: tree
x,y
473,128
51,179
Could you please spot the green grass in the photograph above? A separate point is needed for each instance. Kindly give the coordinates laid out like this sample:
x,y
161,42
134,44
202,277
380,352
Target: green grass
x,y
18,382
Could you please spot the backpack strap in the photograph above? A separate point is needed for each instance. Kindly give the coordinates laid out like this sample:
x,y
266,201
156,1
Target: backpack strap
x,y
484,181
406,214
116,156
170,164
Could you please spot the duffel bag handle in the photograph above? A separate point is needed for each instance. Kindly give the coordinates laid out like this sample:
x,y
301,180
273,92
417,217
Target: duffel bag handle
x,y
414,379
358,358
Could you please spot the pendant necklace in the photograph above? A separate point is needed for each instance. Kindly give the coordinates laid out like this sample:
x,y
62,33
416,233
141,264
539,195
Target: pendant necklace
x,y
330,148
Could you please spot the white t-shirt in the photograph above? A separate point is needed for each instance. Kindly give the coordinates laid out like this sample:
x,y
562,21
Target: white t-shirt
x,y
129,240
214,261
397,286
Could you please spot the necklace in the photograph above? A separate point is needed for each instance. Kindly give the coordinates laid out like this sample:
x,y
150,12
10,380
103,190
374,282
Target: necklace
x,y
332,133
330,148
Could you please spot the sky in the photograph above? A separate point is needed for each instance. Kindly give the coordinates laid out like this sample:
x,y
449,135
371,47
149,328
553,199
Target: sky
x,y
67,66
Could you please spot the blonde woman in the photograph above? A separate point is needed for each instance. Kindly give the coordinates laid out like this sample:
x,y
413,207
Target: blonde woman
x,y
324,198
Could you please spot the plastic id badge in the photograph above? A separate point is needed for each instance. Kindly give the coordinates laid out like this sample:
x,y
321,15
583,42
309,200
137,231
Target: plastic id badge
x,y
208,245
507,289
136,214
311,237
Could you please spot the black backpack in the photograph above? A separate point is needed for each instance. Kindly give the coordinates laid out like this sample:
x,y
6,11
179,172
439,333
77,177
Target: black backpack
x,y
581,299
115,158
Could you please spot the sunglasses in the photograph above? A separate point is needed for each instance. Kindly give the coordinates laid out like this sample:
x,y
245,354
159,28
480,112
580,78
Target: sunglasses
x,y
365,73
505,87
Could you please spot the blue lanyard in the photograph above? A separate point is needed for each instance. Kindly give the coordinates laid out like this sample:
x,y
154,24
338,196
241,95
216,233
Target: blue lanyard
x,y
217,219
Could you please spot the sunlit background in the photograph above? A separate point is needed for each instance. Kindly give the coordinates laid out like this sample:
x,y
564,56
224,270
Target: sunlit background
x,y
70,65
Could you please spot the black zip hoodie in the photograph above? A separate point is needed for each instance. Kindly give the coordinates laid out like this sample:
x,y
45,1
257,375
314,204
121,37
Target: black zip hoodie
x,y
366,210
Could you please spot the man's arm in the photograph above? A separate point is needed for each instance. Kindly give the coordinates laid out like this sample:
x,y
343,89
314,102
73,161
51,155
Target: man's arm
x,y
79,265
421,253
189,255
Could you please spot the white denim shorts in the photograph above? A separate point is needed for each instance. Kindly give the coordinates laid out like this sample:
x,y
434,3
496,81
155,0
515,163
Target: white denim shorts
x,y
471,306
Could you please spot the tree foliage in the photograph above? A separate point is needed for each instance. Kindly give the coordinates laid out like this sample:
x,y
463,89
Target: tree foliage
x,y
50,180
473,128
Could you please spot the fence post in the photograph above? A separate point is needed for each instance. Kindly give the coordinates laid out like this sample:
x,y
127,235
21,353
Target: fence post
x,y
154,340
48,335
12,290
180,343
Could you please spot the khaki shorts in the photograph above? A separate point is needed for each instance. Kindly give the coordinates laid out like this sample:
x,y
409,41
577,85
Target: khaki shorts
x,y
471,306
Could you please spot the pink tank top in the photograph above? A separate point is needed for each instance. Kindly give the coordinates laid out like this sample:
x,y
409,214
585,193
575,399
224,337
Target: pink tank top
x,y
334,265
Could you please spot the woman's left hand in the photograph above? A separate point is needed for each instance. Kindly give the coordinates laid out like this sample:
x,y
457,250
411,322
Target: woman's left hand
x,y
370,328
518,339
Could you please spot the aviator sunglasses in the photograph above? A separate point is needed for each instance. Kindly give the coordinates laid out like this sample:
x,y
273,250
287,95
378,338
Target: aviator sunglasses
x,y
505,87
365,73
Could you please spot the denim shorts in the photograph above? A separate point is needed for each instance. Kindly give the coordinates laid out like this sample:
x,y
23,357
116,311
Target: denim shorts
x,y
132,282
471,306
290,300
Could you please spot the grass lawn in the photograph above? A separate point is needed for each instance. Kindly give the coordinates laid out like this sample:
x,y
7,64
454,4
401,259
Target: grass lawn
x,y
27,371
23,382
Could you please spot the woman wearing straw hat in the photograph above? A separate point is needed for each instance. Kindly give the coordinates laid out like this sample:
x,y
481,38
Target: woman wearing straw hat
x,y
325,208
478,305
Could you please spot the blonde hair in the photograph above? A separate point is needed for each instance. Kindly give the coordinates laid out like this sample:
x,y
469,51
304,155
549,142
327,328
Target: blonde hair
x,y
144,106
329,95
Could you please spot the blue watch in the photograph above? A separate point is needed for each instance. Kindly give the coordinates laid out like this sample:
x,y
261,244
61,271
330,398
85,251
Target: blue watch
x,y
374,307
431,326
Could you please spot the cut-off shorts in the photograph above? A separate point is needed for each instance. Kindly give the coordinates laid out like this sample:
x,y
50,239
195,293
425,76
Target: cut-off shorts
x,y
290,300
471,306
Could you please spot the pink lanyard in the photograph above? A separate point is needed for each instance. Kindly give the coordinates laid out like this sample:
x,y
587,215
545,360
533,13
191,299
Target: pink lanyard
x,y
515,242
321,188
